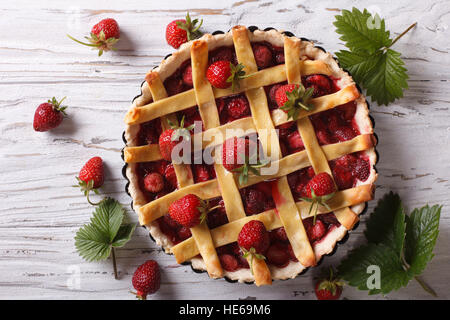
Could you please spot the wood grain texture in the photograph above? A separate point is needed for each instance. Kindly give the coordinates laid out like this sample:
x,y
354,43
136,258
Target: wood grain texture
x,y
41,211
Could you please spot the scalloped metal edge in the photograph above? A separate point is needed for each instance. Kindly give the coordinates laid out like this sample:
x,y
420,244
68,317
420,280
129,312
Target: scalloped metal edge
x,y
338,243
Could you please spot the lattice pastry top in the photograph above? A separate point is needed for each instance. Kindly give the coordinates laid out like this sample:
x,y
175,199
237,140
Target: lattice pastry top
x,y
330,133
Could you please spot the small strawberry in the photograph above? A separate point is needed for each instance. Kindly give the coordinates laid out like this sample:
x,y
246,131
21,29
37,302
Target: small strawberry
x,y
153,182
254,240
292,97
228,262
241,155
170,138
189,211
238,107
317,231
319,83
187,76
223,74
329,289
91,177
319,190
263,55
146,279
49,115
104,35
182,30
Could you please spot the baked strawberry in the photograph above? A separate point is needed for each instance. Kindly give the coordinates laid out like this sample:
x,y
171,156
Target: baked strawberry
x,y
278,254
104,35
330,288
317,231
228,262
263,55
171,137
291,98
146,279
223,53
170,175
345,133
272,91
91,177
319,190
184,233
254,201
238,107
187,76
362,169
241,155
153,182
182,30
224,74
319,83
295,141
49,115
201,173
189,211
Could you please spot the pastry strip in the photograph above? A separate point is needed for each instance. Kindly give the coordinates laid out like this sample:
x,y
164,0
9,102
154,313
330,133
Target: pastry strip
x,y
228,233
187,99
210,189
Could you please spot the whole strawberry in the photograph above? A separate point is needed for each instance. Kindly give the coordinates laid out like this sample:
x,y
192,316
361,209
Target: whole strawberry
x,y
49,115
291,98
254,240
319,190
224,74
329,289
182,30
91,177
189,211
146,279
104,35
241,155
171,137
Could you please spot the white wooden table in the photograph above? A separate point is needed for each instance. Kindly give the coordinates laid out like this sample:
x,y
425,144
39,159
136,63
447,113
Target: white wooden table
x,y
40,211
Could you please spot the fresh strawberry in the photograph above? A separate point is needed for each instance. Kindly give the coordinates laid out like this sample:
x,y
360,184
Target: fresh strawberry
x,y
254,235
189,211
187,76
228,262
319,83
49,115
272,91
182,30
238,107
91,177
319,190
146,279
104,35
223,74
153,182
317,231
263,55
291,98
241,155
330,288
171,137
362,169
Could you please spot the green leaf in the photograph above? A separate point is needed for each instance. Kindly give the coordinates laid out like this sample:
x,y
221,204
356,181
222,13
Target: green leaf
x,y
354,269
94,240
124,235
386,224
387,79
359,64
360,31
422,229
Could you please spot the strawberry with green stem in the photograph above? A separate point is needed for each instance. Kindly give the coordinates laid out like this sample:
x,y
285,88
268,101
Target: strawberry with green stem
x,y
182,30
319,190
91,178
254,241
224,74
291,98
171,137
241,155
190,210
49,115
104,35
329,288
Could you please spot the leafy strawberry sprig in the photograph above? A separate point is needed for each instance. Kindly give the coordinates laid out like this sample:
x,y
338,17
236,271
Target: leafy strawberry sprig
x,y
399,245
191,27
97,240
180,130
251,164
237,73
370,59
297,99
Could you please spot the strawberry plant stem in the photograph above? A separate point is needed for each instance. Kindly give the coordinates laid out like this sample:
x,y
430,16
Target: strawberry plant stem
x,y
425,286
402,34
113,257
